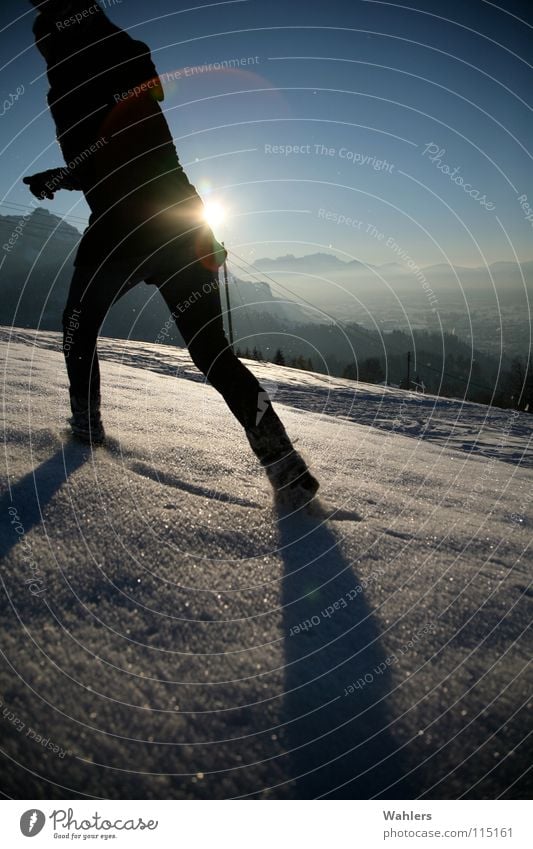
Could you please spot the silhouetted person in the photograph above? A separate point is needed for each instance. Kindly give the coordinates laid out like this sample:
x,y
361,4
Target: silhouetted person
x,y
147,223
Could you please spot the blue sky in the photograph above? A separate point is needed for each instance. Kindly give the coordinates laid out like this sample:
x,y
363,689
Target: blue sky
x,y
360,89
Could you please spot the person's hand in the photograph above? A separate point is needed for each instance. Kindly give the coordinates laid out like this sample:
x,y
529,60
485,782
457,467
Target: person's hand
x,y
37,185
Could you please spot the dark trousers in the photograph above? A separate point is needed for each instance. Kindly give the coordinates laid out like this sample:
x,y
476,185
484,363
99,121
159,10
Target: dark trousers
x,y
193,298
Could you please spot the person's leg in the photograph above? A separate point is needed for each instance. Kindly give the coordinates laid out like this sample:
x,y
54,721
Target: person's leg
x,y
91,294
193,298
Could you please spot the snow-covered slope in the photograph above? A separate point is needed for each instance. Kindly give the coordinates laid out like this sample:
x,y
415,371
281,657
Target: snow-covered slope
x,y
167,634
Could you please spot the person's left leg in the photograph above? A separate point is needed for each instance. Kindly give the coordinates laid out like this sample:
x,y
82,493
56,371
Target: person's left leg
x,y
193,298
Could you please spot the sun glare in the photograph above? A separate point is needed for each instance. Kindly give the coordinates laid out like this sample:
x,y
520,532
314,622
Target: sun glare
x,y
214,213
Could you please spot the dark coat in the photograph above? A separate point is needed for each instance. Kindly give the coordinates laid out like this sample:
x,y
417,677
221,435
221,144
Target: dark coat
x,y
116,142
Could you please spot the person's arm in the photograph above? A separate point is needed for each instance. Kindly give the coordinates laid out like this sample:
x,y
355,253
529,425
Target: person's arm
x,y
44,184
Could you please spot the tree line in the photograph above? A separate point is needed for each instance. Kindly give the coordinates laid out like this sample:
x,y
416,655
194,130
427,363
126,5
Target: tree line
x,y
441,364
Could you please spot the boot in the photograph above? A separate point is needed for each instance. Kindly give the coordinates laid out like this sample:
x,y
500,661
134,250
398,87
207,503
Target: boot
x,y
286,470
86,421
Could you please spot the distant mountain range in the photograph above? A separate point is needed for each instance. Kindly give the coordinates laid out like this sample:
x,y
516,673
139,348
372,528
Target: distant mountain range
x,y
37,253
358,291
319,262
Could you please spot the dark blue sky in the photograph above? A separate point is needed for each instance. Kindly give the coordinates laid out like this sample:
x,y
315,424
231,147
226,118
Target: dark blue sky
x,y
374,83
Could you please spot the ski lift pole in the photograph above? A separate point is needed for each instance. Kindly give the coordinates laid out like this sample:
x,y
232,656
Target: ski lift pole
x,y
226,287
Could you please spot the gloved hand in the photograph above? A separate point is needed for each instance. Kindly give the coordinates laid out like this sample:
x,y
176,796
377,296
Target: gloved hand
x,y
37,185
45,184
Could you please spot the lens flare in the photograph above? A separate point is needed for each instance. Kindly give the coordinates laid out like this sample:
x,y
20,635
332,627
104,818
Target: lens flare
x,y
214,213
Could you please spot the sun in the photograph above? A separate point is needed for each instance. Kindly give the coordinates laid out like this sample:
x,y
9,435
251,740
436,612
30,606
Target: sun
x,y
214,213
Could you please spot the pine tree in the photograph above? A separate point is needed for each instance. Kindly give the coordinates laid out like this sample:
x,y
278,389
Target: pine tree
x,y
521,384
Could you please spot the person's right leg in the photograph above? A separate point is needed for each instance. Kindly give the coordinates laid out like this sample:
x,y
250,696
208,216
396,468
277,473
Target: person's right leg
x,y
91,294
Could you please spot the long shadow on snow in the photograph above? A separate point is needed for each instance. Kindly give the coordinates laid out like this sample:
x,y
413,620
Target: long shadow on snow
x,y
21,507
339,744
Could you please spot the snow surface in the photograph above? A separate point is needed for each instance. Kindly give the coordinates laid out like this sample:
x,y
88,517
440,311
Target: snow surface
x,y
153,597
